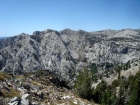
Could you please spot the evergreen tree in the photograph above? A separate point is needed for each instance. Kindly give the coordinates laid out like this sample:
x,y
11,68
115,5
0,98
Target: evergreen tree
x,y
83,83
135,97
119,74
99,92
120,97
108,95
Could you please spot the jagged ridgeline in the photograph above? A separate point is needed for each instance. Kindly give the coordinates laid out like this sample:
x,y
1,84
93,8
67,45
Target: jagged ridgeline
x,y
67,52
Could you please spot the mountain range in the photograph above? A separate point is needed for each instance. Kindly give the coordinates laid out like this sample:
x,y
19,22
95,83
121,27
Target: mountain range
x,y
3,38
64,53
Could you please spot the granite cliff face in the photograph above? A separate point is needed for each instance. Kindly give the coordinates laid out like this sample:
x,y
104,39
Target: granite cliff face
x,y
66,52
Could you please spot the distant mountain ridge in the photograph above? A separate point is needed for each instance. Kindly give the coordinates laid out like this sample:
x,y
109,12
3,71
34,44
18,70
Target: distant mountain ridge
x,y
66,52
3,37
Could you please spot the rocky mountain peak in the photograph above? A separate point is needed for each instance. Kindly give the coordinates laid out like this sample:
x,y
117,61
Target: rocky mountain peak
x,y
67,31
36,33
48,31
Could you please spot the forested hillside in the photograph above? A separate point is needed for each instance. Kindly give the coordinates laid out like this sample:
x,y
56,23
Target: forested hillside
x,y
122,91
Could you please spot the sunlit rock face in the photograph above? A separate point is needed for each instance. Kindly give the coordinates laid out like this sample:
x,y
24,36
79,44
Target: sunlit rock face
x,y
66,52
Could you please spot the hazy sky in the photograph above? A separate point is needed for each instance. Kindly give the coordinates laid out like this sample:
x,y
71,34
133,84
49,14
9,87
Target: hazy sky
x,y
18,16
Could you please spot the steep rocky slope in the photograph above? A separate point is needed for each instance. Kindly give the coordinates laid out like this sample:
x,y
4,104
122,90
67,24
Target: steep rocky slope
x,y
36,88
66,52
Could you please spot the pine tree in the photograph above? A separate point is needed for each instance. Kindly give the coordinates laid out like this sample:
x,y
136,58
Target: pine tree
x,y
120,97
99,93
108,95
135,97
83,83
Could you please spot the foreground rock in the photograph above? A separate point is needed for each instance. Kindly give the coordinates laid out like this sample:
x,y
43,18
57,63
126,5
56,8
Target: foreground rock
x,y
37,89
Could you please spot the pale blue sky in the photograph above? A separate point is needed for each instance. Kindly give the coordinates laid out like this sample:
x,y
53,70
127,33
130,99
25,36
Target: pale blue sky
x,y
18,16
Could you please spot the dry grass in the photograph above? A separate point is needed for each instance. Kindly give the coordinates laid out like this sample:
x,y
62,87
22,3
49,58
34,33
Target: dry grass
x,y
35,83
12,93
20,76
71,103
4,76
45,101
